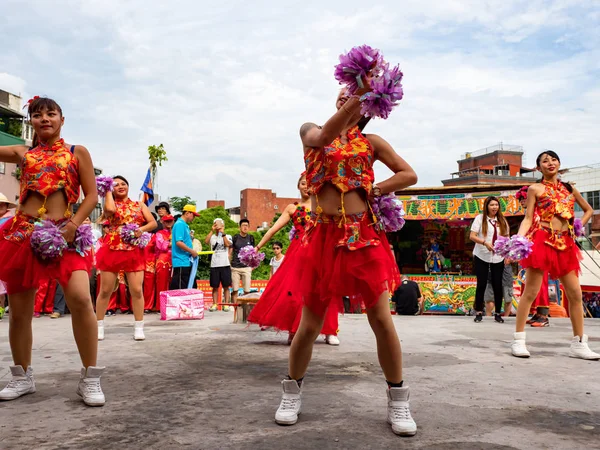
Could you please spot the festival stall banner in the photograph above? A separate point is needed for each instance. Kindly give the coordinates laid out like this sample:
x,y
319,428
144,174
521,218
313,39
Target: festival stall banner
x,y
456,206
204,286
447,294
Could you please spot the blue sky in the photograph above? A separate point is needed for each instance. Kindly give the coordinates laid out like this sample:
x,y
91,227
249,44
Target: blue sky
x,y
225,86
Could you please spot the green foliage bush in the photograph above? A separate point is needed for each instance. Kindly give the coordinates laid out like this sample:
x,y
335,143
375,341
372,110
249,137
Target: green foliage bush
x,y
203,224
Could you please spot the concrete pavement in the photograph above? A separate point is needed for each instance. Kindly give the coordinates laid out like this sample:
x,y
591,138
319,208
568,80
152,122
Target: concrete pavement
x,y
212,384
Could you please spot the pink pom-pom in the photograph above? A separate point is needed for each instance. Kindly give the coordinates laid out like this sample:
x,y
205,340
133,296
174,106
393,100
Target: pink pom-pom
x,y
128,235
578,228
293,233
47,241
519,248
389,211
84,239
385,94
501,246
250,257
104,184
355,65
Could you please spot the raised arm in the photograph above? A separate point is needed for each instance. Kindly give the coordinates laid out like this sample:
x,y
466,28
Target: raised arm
x,y
283,220
12,153
404,175
109,205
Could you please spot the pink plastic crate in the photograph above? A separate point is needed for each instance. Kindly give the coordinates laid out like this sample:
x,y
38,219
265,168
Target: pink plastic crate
x,y
182,304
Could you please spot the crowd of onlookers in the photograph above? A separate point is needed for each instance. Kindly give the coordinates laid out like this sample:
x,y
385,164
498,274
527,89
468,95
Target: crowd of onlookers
x,y
591,301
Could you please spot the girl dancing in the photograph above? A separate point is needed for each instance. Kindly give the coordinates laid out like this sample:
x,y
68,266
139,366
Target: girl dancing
x,y
52,174
120,254
345,253
554,251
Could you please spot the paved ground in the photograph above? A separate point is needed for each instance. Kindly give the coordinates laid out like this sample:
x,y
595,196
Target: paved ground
x,y
213,384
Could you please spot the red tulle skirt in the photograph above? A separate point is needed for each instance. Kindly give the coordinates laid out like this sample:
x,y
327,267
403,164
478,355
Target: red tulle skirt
x,y
115,261
351,259
549,259
21,270
280,305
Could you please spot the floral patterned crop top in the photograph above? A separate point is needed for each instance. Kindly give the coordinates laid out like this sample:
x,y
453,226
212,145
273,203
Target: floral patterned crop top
x,y
347,166
49,169
127,211
556,200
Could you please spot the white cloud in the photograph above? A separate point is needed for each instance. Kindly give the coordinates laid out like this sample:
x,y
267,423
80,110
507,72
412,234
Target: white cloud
x,y
226,87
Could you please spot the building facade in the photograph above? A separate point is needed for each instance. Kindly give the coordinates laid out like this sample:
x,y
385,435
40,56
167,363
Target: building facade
x,y
260,206
498,164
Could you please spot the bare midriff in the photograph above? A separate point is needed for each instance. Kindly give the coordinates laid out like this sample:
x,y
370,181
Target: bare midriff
x,y
557,224
56,204
330,201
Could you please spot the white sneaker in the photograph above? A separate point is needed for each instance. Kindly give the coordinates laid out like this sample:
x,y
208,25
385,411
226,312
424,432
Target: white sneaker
x,y
580,349
332,339
138,331
89,388
101,330
291,401
21,383
399,412
518,347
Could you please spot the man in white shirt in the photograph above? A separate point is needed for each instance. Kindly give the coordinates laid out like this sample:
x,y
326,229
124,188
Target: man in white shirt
x,y
220,268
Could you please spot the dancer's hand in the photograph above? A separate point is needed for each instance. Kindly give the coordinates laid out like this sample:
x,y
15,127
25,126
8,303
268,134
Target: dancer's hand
x,y
367,85
68,232
137,233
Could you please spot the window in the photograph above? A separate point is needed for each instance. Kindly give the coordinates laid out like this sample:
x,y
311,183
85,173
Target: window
x,y
2,168
593,199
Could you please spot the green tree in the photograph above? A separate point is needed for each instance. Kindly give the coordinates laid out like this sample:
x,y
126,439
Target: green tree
x,y
15,127
157,156
179,202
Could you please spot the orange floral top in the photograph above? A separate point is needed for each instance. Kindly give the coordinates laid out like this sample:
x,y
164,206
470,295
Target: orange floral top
x,y
556,200
127,212
347,166
49,169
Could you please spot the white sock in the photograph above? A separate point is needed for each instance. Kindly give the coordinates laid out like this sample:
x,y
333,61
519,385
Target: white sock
x,y
101,323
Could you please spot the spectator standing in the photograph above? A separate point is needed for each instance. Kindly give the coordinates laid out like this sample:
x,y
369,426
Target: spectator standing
x,y
277,259
239,271
181,248
220,268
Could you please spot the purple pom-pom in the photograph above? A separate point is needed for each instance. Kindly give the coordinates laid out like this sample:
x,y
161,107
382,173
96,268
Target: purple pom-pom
x,y
502,246
84,239
129,237
47,241
355,65
293,233
578,228
104,184
385,94
519,248
250,257
389,211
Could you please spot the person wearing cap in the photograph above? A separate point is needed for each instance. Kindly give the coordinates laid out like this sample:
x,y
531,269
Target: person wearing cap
x,y
5,206
181,248
220,268
162,209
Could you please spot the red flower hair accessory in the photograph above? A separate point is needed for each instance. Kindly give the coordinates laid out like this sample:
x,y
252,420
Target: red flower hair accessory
x,y
35,97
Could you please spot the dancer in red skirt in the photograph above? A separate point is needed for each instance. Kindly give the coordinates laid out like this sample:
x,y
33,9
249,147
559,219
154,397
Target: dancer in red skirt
x,y
116,255
555,251
53,173
280,305
164,262
541,306
343,254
